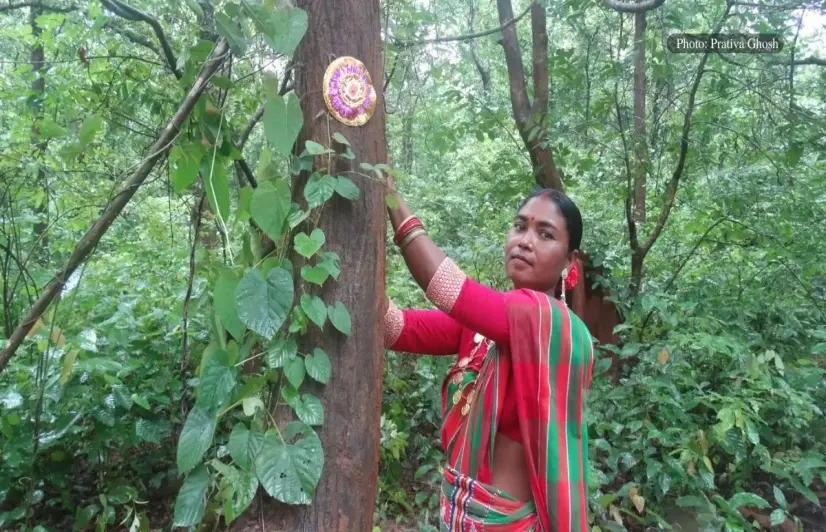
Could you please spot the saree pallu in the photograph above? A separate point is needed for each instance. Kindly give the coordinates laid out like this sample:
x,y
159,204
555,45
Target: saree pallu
x,y
547,364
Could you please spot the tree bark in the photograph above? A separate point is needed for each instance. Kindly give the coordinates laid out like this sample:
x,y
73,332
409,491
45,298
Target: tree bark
x,y
344,499
39,147
529,116
639,117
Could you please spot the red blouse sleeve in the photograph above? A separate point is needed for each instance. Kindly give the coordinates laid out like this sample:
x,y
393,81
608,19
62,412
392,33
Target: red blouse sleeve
x,y
424,332
473,305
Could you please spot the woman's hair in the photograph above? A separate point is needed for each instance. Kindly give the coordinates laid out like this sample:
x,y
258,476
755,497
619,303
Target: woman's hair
x,y
569,210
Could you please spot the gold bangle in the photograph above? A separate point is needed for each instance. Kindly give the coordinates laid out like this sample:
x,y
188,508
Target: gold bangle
x,y
410,237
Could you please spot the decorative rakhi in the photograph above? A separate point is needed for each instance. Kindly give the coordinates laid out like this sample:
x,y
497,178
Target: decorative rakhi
x,y
349,92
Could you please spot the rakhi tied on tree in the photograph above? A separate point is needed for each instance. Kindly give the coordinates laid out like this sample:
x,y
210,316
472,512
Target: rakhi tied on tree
x,y
349,92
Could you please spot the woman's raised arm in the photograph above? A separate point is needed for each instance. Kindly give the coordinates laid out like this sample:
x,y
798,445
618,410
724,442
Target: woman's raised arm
x,y
471,304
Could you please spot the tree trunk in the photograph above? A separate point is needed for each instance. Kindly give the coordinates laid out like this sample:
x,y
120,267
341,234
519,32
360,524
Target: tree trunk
x,y
639,117
38,88
345,497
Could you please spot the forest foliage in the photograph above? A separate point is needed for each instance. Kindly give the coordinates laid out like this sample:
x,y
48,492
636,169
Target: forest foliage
x,y
142,398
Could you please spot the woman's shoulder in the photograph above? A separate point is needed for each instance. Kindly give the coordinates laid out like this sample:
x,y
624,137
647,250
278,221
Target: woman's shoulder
x,y
524,300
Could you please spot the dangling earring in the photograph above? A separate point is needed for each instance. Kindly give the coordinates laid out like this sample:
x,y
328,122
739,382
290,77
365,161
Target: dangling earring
x,y
564,276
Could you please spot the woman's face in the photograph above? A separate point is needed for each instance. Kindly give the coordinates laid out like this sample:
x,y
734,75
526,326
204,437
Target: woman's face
x,y
536,250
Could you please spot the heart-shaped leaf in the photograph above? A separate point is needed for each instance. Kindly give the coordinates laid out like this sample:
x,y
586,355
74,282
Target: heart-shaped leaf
x,y
318,366
281,351
282,123
340,317
330,262
270,206
310,410
191,500
216,382
263,304
346,188
319,189
224,300
290,472
314,308
244,445
196,437
295,372
307,246
314,274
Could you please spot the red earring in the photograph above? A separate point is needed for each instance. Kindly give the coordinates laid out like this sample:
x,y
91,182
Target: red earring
x,y
573,276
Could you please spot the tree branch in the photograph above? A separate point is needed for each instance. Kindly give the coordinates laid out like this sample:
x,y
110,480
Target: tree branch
x,y
629,7
671,191
510,21
133,37
513,60
811,60
539,54
40,5
484,72
93,236
130,13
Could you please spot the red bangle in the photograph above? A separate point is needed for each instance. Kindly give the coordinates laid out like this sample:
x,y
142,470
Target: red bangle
x,y
405,228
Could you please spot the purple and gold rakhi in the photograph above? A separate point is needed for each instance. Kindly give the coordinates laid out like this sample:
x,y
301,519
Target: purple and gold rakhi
x,y
349,92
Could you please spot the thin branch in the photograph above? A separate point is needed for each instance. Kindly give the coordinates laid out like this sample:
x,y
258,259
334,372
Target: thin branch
x,y
628,7
513,61
512,20
811,60
130,13
40,5
671,191
93,236
251,123
131,36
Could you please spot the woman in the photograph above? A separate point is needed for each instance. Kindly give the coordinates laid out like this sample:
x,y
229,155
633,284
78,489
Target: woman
x,y
512,405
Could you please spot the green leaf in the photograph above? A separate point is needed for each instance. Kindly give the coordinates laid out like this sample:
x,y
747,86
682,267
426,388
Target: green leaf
x,y
340,317
330,262
295,372
290,472
314,148
263,304
196,437
310,410
422,471
779,497
318,366
244,445
346,188
121,397
282,123
270,206
307,246
185,161
191,501
281,351
314,274
391,201
319,189
341,138
50,130
236,489
68,362
89,129
314,308
778,517
152,431
141,401
245,203
286,29
290,395
748,499
230,29
222,82
216,183
793,153
216,382
224,298
251,404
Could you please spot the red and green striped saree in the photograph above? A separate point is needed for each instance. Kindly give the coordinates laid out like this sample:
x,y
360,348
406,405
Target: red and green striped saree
x,y
547,364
